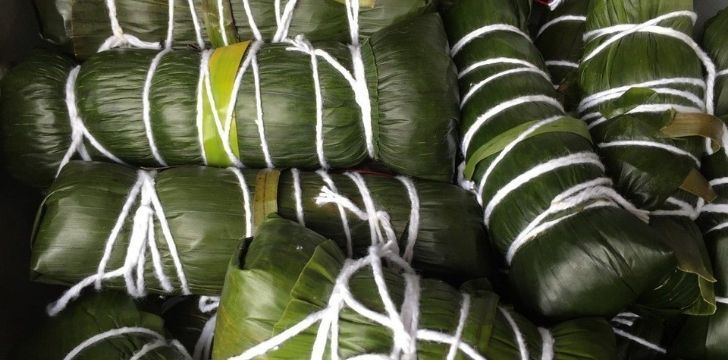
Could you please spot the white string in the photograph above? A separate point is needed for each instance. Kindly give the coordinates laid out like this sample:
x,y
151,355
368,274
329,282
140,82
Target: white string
x,y
483,31
203,346
722,73
157,341
682,208
522,348
79,132
644,143
259,112
562,63
361,90
342,213
554,21
413,226
298,198
574,197
464,311
581,158
251,21
494,61
196,24
246,201
147,108
300,44
508,148
554,4
721,300
221,22
119,38
640,341
500,108
547,341
475,88
284,23
142,236
204,61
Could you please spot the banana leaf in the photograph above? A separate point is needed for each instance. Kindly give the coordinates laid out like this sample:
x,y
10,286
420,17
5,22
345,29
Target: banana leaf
x,y
559,39
202,214
83,26
288,272
591,257
95,314
409,75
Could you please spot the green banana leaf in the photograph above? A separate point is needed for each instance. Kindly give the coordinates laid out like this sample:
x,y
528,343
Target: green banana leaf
x,y
208,215
411,84
82,26
288,272
639,172
559,39
596,260
94,314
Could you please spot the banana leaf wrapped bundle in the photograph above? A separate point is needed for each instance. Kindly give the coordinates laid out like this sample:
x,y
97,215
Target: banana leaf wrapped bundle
x,y
252,104
291,292
83,27
559,39
174,231
106,325
645,95
574,247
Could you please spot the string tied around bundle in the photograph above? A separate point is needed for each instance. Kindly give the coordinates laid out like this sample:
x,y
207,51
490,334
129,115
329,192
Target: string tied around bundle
x,y
142,238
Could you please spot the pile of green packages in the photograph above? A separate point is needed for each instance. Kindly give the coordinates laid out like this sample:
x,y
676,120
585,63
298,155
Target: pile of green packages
x,y
252,104
175,230
84,26
372,179
705,337
312,298
575,247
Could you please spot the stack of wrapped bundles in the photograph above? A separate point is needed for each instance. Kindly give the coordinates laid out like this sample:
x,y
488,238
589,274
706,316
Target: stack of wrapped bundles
x,y
648,99
173,231
84,27
256,105
705,337
574,246
313,301
283,171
